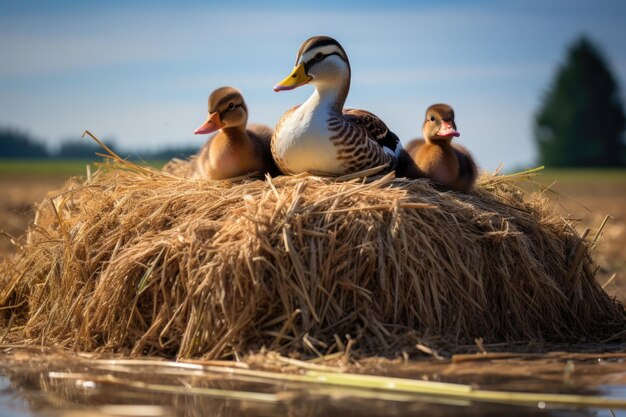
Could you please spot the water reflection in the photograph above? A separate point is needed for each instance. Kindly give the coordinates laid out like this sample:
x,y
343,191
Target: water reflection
x,y
35,384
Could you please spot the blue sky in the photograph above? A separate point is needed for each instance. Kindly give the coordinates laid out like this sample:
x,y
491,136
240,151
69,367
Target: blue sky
x,y
139,73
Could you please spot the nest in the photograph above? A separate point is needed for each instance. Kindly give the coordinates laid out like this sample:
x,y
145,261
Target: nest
x,y
141,261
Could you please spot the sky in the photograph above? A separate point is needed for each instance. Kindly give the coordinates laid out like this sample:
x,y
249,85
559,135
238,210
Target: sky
x,y
138,73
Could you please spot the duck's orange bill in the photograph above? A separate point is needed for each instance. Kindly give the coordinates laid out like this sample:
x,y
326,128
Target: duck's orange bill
x,y
212,123
297,78
447,129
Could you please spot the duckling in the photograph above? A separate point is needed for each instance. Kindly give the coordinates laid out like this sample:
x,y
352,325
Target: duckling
x,y
235,150
448,164
320,136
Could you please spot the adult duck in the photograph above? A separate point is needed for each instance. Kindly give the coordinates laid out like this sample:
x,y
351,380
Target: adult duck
x,y
320,136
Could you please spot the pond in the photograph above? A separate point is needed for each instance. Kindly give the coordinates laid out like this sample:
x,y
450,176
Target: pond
x,y
42,382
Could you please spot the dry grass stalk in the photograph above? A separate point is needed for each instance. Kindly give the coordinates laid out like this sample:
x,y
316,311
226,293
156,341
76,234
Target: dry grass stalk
x,y
141,261
61,375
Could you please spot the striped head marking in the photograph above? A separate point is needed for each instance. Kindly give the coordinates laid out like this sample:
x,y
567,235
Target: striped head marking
x,y
320,59
317,49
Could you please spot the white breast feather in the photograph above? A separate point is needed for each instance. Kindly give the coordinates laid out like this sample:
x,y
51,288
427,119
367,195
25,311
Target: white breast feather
x,y
304,145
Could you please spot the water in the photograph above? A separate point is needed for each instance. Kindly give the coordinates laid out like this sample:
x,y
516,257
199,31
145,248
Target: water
x,y
49,384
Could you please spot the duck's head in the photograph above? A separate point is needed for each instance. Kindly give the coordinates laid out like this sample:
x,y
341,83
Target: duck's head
x,y
439,123
226,109
321,61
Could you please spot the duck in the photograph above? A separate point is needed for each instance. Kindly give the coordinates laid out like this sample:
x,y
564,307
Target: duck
x,y
236,149
320,136
436,157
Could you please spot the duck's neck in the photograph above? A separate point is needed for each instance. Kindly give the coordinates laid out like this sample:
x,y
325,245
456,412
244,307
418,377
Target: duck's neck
x,y
444,143
331,96
237,135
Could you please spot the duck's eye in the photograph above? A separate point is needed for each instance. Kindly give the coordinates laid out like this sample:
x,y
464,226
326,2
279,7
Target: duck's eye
x,y
319,56
231,106
432,118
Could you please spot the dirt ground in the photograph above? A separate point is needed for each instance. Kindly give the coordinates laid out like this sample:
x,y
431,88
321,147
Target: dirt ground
x,y
18,196
591,201
588,200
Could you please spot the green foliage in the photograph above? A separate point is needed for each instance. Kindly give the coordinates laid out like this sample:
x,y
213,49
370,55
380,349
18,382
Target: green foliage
x,y
581,122
80,149
16,144
168,153
43,167
54,167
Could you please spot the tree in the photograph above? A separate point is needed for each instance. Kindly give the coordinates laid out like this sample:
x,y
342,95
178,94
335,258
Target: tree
x,y
78,149
16,144
581,122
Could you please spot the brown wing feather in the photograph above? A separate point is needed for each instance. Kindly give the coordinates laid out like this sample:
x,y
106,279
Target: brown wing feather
x,y
374,126
369,121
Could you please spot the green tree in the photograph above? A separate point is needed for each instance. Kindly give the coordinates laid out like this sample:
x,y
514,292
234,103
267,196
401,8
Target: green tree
x,y
78,149
16,144
581,122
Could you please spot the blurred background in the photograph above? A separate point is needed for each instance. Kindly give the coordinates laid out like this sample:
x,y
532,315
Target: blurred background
x,y
532,82
138,74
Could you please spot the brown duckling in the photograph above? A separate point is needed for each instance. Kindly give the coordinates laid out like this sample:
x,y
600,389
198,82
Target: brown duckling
x,y
236,149
448,164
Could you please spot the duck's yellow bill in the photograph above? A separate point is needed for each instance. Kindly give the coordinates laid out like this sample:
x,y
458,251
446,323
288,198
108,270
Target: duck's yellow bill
x,y
297,78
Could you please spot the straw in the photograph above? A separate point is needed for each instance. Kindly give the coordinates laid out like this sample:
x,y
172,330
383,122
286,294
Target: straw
x,y
145,262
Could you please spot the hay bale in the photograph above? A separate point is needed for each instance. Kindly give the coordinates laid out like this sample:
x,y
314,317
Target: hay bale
x,y
142,261
185,168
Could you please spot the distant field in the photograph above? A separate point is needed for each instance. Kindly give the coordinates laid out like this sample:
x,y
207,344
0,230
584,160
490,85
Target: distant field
x,y
78,167
582,175
57,168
